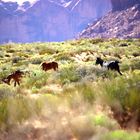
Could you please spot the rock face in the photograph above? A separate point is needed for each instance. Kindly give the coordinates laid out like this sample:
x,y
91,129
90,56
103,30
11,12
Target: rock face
x,y
123,23
48,20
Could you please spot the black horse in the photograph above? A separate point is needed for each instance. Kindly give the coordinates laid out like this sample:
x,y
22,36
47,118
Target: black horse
x,y
113,65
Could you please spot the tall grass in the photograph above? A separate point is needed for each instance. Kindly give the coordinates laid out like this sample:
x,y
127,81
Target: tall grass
x,y
76,102
15,108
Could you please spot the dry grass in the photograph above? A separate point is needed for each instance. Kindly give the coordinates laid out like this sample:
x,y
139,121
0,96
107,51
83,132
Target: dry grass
x,y
80,101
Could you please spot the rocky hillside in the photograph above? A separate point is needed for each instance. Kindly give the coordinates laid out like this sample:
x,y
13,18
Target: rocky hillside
x,y
118,23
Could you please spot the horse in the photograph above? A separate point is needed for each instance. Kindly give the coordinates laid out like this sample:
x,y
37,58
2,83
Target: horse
x,y
51,65
112,65
16,76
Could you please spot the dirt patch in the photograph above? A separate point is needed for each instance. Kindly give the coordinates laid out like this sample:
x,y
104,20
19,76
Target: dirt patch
x,y
127,119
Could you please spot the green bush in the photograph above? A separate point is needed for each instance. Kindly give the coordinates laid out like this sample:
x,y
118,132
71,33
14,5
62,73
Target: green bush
x,y
15,110
37,78
121,135
36,61
68,74
123,93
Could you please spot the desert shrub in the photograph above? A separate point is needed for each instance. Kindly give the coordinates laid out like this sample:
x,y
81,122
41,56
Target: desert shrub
x,y
77,42
121,135
15,110
87,126
103,120
125,66
96,41
68,74
135,54
81,91
16,59
37,78
130,40
1,54
82,128
114,42
7,55
86,91
47,50
94,72
123,44
132,64
63,57
5,71
135,63
36,61
82,72
6,91
104,73
123,93
11,51
28,51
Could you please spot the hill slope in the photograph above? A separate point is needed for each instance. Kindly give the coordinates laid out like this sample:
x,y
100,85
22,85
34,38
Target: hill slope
x,y
80,100
116,24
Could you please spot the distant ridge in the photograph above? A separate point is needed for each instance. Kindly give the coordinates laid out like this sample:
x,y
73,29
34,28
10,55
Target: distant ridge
x,y
48,20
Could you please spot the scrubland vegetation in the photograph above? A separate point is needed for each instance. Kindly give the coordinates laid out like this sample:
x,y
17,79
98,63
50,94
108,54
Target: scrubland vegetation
x,y
80,101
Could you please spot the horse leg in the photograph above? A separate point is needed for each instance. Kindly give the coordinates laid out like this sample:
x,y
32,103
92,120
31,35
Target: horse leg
x,y
57,67
119,71
15,84
8,81
45,69
18,82
54,68
108,67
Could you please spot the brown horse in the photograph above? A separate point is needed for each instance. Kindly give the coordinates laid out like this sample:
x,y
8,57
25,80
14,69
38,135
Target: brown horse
x,y
51,65
16,76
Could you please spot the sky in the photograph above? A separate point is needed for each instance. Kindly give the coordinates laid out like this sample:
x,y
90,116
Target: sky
x,y
19,1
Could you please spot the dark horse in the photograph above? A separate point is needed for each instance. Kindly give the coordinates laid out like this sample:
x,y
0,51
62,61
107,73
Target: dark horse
x,y
113,65
16,76
51,65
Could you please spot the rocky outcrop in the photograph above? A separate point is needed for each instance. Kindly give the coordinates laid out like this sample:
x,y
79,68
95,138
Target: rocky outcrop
x,y
118,24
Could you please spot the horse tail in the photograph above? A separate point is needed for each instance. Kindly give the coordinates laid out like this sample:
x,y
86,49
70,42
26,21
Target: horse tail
x,y
40,66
